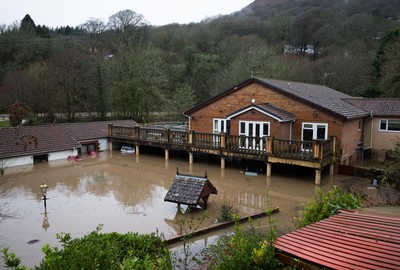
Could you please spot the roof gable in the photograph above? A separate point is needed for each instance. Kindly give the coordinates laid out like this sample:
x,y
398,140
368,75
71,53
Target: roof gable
x,y
268,109
319,96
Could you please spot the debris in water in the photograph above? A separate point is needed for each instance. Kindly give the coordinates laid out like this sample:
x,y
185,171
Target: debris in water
x,y
33,241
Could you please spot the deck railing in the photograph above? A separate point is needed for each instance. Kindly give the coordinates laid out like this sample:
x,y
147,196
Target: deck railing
x,y
292,149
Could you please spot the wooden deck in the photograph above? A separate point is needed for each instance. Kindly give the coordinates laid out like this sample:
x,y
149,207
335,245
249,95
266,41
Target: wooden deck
x,y
349,240
314,154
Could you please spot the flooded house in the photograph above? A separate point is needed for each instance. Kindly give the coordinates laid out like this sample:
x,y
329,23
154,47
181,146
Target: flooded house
x,y
24,145
381,130
299,115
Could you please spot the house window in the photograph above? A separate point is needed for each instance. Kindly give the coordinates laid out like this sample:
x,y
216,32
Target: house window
x,y
389,125
314,131
219,126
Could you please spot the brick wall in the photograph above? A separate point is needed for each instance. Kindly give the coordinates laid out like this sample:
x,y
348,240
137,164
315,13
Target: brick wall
x,y
242,97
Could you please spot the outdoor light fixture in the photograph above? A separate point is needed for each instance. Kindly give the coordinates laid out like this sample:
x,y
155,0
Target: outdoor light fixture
x,y
43,188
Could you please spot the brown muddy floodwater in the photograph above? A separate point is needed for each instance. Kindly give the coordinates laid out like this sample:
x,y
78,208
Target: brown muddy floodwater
x,y
126,193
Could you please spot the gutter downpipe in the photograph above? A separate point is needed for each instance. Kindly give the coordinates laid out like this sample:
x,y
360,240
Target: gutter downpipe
x,y
291,128
372,128
190,121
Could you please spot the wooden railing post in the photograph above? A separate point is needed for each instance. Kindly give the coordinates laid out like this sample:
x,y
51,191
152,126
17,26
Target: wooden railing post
x,y
333,146
223,140
166,136
317,148
110,127
268,144
190,136
136,134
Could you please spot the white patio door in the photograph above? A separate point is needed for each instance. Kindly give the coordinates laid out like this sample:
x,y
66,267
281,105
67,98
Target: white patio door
x,y
254,129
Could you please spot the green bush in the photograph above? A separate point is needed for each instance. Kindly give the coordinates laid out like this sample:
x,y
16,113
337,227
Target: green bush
x,y
243,249
226,211
103,251
326,205
391,173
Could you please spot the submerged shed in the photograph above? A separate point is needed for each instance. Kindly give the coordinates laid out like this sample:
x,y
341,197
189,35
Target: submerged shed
x,y
190,190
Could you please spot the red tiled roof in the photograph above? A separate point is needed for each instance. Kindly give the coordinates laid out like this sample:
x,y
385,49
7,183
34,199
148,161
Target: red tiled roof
x,y
348,240
378,106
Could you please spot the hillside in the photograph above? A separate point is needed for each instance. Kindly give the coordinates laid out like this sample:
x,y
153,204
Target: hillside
x,y
349,45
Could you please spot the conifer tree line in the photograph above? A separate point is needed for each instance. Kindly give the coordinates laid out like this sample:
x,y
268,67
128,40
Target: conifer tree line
x,y
127,68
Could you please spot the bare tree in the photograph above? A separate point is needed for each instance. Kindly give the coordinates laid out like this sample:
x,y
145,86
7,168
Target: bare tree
x,y
95,28
126,23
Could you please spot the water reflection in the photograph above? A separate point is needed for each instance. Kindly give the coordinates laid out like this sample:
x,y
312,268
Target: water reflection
x,y
46,223
126,193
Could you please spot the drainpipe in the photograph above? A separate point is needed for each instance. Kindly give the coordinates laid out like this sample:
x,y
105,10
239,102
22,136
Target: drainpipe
x,y
291,128
190,121
372,128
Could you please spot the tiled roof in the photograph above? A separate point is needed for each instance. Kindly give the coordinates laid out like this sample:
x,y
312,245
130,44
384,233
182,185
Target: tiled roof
x,y
187,189
274,111
348,240
94,130
378,106
319,95
43,139
27,140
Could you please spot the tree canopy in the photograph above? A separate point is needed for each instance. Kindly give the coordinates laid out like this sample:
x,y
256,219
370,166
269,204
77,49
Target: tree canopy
x,y
131,69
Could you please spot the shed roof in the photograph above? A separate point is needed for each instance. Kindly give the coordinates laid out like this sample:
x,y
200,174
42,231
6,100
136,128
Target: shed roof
x,y
319,96
348,240
377,106
266,108
188,189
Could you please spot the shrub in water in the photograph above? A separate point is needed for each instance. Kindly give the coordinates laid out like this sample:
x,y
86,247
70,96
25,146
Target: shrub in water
x,y
103,251
326,205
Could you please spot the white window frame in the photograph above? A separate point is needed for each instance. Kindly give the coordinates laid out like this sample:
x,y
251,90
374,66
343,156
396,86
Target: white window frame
x,y
386,121
314,129
217,124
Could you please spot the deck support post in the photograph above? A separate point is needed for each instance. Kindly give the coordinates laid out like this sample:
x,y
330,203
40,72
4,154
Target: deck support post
x,y
222,162
269,169
190,158
166,154
318,177
331,168
137,150
110,145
